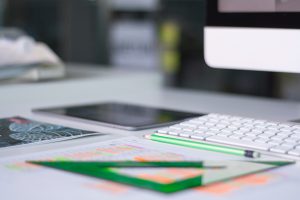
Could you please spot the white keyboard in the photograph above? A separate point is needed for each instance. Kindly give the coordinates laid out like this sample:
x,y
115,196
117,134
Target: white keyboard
x,y
282,139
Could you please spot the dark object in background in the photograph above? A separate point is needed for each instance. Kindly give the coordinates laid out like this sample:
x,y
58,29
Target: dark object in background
x,y
75,30
193,72
78,32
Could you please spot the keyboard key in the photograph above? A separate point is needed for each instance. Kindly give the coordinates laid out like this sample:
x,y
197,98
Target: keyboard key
x,y
244,129
271,124
188,129
241,143
199,136
214,129
274,142
284,126
287,129
252,134
280,149
237,123
227,117
243,132
288,144
202,128
221,125
227,130
247,120
198,122
235,136
261,126
292,140
213,115
248,138
224,134
174,132
296,131
232,127
249,125
185,134
278,137
283,133
296,126
213,120
274,128
261,140
225,122
257,130
295,135
294,152
212,132
188,125
240,132
270,132
265,136
209,124
235,118
259,121
177,127
200,131
164,130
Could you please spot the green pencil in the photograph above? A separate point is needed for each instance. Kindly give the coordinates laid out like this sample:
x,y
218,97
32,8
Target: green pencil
x,y
201,145
133,164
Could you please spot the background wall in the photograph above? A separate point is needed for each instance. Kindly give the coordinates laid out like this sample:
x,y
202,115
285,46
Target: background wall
x,y
165,35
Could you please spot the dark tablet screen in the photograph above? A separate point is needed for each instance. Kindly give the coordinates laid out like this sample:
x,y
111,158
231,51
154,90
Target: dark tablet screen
x,y
130,116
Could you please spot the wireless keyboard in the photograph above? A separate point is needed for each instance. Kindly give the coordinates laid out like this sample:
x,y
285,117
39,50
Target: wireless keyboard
x,y
282,139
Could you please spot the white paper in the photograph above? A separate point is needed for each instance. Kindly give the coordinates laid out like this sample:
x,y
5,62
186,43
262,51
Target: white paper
x,y
19,180
24,50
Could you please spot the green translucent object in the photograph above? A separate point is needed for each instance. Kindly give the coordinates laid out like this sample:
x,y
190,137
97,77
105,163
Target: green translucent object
x,y
92,169
210,172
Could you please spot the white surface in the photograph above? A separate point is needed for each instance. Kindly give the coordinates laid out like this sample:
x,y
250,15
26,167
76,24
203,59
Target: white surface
x,y
14,171
90,85
134,44
258,49
24,50
247,6
142,88
258,135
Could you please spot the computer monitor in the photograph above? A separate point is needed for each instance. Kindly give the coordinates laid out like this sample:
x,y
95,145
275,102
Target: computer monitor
x,y
262,35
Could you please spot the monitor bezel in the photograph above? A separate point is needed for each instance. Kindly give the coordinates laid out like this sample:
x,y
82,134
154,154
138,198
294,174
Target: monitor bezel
x,y
290,20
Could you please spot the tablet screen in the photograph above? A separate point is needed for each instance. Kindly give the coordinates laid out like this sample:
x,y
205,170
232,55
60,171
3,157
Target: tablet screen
x,y
126,115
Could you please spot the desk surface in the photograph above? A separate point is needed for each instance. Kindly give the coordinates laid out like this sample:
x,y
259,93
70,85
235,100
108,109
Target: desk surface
x,y
88,84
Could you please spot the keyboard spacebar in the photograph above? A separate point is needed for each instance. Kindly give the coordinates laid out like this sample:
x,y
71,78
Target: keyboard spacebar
x,y
241,143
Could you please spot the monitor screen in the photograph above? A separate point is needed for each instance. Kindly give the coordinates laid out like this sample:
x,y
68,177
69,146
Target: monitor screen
x,y
259,35
254,6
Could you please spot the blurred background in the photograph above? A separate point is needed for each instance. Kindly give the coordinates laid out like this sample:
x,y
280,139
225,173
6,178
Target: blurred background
x,y
152,35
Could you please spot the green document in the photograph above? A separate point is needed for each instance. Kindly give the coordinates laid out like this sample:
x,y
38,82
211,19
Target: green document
x,y
166,177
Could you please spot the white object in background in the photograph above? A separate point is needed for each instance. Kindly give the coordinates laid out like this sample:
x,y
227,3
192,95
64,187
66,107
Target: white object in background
x,y
131,5
253,49
25,51
134,44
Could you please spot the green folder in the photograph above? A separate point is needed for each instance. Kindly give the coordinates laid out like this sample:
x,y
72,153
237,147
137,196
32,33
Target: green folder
x,y
165,177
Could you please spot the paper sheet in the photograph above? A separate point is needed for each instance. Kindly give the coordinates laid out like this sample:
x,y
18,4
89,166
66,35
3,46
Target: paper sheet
x,y
15,131
20,180
24,50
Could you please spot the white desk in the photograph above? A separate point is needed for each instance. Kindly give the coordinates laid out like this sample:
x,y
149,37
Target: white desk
x,y
89,84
